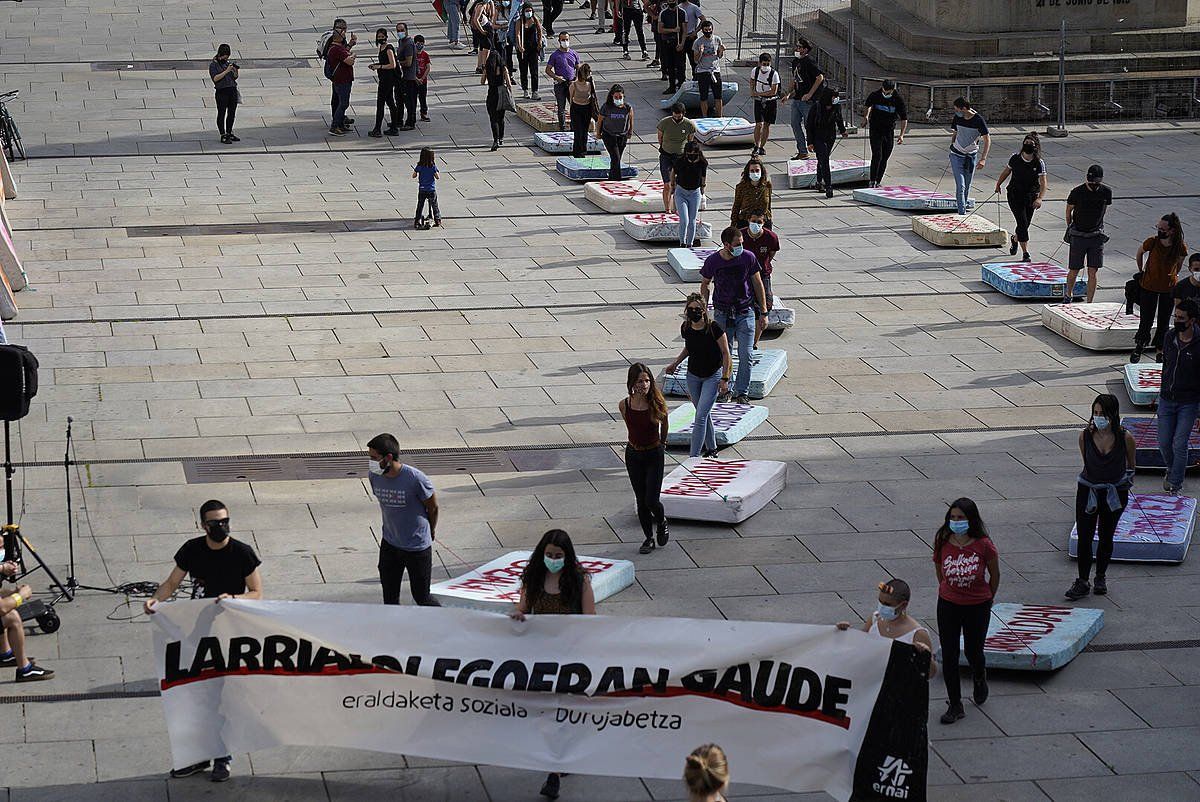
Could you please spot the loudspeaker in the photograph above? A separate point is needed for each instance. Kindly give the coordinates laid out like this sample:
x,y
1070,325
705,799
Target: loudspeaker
x,y
18,381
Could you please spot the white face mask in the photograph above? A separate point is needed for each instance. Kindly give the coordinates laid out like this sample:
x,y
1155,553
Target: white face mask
x,y
374,468
756,228
528,14
799,54
887,613
564,45
619,101
754,175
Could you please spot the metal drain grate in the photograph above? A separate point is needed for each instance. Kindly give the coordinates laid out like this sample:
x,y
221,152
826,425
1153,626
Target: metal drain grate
x,y
197,64
280,227
83,696
345,465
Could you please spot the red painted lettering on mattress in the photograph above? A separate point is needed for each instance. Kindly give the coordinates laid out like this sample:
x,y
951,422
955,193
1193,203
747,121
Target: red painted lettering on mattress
x,y
1034,272
706,478
654,218
1027,626
1148,379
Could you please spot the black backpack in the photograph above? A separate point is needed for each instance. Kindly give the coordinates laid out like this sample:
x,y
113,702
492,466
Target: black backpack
x,y
18,381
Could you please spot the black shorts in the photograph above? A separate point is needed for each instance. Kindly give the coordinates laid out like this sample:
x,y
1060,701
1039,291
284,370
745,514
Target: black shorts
x,y
765,110
666,165
481,40
709,82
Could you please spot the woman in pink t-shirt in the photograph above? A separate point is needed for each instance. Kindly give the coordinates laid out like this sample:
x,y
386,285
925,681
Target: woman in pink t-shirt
x,y
962,553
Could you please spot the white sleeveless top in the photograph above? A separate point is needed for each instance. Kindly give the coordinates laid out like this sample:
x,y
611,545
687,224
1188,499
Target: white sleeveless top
x,y
907,637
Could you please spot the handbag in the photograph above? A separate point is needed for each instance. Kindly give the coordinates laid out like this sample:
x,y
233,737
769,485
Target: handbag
x,y
505,98
1133,289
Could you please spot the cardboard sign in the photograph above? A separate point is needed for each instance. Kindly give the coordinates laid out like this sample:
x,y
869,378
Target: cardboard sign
x,y
715,490
543,115
660,227
497,585
686,262
562,141
625,197
731,422
803,172
1142,382
1097,327
724,131
589,168
1031,279
908,198
1153,528
1037,637
959,231
689,95
1145,438
767,367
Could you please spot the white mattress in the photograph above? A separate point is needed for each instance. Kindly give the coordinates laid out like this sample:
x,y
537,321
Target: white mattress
x,y
659,227
686,262
625,197
1153,528
1097,327
559,142
767,367
959,230
1142,382
732,422
10,263
724,130
8,185
717,490
497,585
803,172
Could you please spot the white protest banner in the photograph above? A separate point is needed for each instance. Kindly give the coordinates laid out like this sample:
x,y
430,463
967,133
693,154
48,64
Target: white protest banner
x,y
800,707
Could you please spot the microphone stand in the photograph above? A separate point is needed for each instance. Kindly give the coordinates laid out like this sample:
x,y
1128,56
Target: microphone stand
x,y
72,583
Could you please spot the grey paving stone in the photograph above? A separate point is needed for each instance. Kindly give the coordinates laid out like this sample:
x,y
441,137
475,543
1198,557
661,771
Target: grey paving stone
x,y
1154,750
435,784
1065,712
1161,786
1028,757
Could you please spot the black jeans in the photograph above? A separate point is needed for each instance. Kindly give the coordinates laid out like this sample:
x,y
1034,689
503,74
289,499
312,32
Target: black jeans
x,y
423,98
971,620
385,95
419,564
1022,210
823,149
615,145
551,9
632,17
226,109
528,61
1086,525
581,118
1154,305
882,142
495,113
431,196
408,91
561,90
645,469
675,63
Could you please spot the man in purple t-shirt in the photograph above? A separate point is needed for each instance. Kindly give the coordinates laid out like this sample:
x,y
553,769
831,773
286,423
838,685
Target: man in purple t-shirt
x,y
561,68
737,298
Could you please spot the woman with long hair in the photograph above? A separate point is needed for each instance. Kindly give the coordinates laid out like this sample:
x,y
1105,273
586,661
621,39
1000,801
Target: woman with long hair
x,y
554,583
1109,461
752,192
388,71
1158,261
529,36
706,774
962,553
706,348
224,76
496,76
688,180
644,411
1026,189
582,94
615,125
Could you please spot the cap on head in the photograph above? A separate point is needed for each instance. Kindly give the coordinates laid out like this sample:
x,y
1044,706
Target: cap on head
x,y
1095,173
889,84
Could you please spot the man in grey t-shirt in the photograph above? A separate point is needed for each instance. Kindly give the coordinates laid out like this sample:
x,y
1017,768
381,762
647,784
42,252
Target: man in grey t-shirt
x,y
708,52
410,513
406,88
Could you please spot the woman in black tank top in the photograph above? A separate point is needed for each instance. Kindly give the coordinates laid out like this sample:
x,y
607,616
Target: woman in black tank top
x,y
1109,461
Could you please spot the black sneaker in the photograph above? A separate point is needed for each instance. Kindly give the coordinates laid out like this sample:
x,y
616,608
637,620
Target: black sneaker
x,y
1136,356
1100,587
647,546
954,712
408,128
34,673
391,131
348,121
1026,258
188,771
233,138
550,789
709,453
742,399
664,534
980,693
375,133
10,661
670,90
828,192
1078,590
220,772
1012,245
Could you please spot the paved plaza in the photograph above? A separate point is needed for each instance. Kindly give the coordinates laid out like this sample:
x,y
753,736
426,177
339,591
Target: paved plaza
x,y
192,299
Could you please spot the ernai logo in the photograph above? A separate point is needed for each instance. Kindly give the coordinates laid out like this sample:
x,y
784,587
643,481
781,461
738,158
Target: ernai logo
x,y
893,778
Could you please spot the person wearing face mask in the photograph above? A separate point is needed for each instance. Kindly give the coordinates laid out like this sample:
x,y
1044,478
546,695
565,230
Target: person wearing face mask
x,y
632,16
551,10
529,38
423,65
1109,462
1179,393
387,69
561,68
1158,261
615,125
498,79
410,514
406,58
891,620
674,134
221,567
644,411
764,244
692,17
582,94
706,348
672,27
967,128
1189,285
884,107
224,76
764,88
708,52
824,124
481,15
554,583
734,277
1086,205
1025,190
968,574
688,179
339,57
807,78
752,192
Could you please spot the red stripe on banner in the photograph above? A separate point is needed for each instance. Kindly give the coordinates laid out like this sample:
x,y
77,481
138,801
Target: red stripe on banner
x,y
327,671
735,699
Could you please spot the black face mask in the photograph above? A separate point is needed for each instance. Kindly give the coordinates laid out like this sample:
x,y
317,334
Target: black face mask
x,y
1027,148
217,531
1180,327
695,315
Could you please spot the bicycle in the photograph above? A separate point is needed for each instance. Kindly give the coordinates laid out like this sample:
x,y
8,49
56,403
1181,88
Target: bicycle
x,y
10,135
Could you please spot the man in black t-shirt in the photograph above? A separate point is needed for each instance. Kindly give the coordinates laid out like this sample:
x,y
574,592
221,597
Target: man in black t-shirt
x,y
672,27
222,568
884,107
1188,287
1085,229
807,77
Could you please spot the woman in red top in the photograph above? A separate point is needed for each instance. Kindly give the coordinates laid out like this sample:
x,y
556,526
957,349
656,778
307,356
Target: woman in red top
x,y
644,411
962,552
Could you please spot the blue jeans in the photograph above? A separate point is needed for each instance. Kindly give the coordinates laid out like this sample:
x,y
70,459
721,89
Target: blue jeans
x,y
687,206
1175,422
452,22
741,328
341,93
963,168
703,393
799,112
